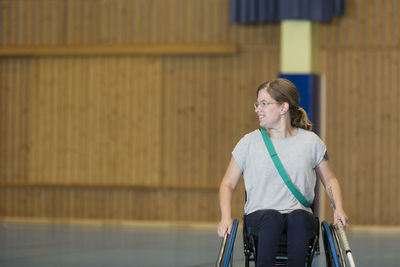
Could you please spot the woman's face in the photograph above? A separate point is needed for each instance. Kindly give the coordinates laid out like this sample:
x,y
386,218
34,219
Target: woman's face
x,y
267,109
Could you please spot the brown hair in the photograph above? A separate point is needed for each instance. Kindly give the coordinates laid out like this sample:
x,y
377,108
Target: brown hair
x,y
283,90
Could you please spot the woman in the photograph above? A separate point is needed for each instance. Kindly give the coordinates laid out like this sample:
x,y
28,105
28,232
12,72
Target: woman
x,y
270,206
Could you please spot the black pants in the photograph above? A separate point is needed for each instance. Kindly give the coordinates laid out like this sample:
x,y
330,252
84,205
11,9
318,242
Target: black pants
x,y
300,225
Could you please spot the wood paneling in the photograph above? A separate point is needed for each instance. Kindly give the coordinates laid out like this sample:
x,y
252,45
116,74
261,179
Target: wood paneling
x,y
98,118
125,137
361,55
149,137
121,50
93,22
108,204
14,117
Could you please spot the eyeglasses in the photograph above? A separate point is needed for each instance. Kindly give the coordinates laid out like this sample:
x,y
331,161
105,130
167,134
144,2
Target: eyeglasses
x,y
262,104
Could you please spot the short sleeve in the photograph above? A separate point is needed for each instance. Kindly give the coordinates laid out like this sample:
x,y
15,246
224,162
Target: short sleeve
x,y
319,150
240,152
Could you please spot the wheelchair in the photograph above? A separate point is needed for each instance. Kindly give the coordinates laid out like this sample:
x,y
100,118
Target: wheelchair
x,y
337,252
337,248
250,240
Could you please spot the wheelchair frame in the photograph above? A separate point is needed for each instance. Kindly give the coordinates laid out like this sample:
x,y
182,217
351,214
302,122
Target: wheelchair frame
x,y
337,249
227,245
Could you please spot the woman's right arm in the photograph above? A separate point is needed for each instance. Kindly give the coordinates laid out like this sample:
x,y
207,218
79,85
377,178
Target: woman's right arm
x,y
228,185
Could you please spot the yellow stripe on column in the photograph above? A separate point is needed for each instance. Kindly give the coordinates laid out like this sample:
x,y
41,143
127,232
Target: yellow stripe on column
x,y
300,47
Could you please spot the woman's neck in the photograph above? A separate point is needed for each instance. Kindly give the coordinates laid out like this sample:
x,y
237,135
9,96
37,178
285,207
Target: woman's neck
x,y
282,132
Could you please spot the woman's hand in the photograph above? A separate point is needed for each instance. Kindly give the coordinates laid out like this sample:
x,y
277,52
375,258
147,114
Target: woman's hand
x,y
225,226
340,215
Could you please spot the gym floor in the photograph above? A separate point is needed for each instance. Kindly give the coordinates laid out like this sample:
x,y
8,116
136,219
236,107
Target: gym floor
x,y
42,244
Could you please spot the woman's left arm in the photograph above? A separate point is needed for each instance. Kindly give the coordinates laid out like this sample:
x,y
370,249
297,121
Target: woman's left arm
x,y
332,187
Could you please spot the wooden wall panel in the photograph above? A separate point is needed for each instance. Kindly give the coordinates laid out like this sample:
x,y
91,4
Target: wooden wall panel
x,y
98,118
360,59
201,111
149,138
14,81
124,137
75,22
123,204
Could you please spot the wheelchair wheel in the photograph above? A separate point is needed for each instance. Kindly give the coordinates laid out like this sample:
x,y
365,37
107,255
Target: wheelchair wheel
x,y
339,248
331,252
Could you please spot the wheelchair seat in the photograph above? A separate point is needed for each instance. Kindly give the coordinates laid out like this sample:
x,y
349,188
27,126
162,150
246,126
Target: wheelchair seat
x,y
250,247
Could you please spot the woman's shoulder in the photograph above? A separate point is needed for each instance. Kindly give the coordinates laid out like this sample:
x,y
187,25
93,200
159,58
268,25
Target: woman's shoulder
x,y
246,142
253,134
250,136
309,135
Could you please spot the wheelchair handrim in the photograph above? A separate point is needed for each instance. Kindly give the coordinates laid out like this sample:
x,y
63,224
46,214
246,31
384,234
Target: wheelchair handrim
x,y
328,241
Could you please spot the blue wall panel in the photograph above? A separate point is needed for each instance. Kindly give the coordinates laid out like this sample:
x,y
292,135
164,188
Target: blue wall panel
x,y
308,86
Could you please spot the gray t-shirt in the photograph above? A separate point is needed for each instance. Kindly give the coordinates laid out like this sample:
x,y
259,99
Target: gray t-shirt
x,y
299,154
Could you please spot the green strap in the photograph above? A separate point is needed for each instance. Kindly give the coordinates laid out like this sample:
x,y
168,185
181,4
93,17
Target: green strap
x,y
281,170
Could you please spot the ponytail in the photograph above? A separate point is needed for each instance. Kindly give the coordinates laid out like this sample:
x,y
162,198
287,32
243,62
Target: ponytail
x,y
300,119
283,90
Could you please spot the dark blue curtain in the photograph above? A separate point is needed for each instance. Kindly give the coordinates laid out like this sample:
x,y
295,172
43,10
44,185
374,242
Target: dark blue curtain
x,y
263,11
